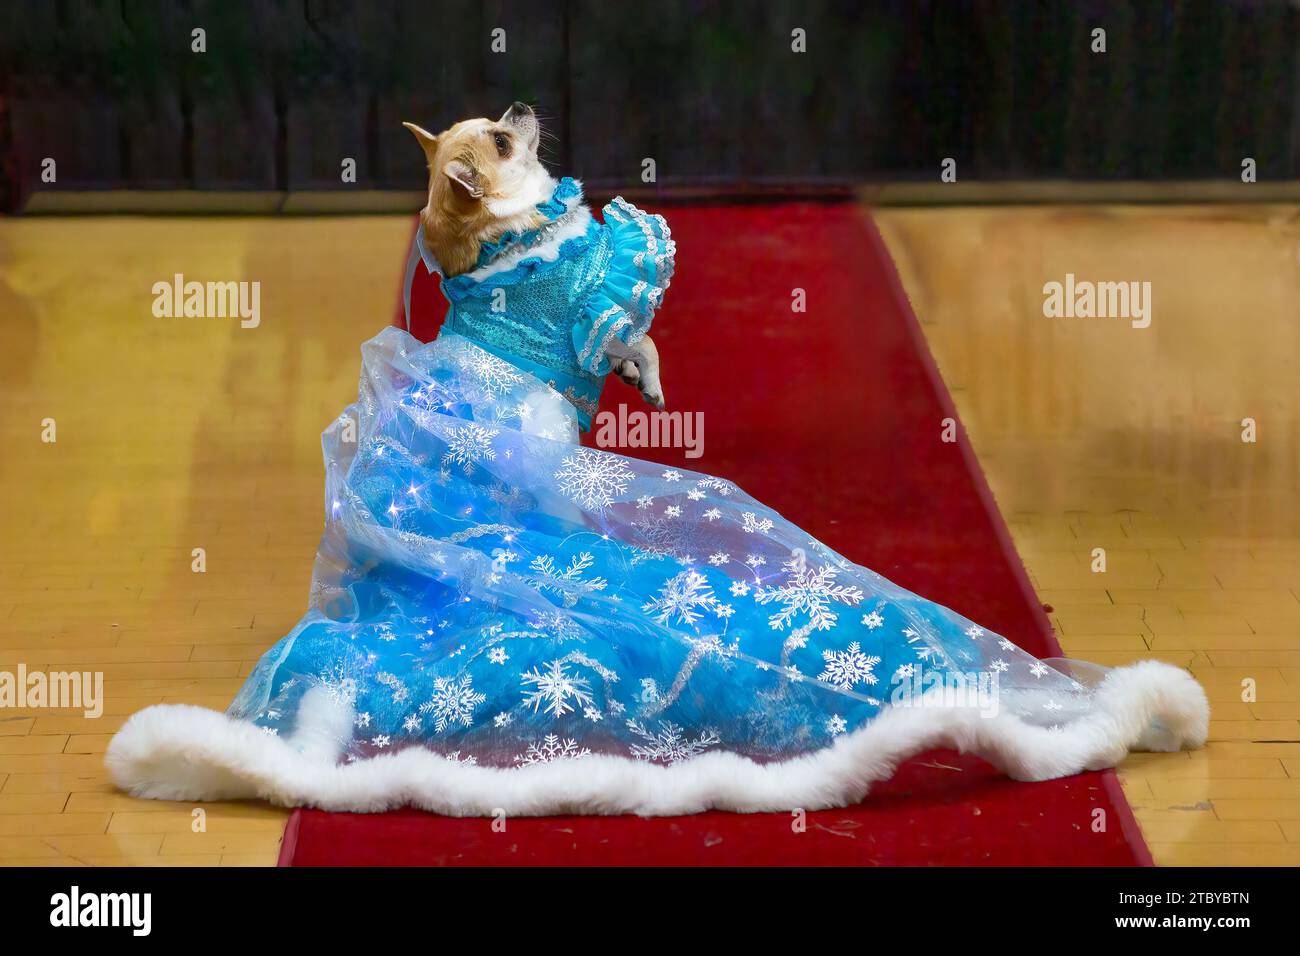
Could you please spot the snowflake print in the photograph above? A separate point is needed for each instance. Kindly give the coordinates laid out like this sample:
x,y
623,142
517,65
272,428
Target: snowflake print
x,y
592,714
411,724
591,478
503,719
659,536
836,725
907,670
557,689
468,444
668,746
711,647
382,741
873,620
551,748
672,475
498,655
716,484
751,523
974,631
645,501
713,514
846,669
809,591
453,702
569,583
496,376
719,558
798,638
999,667
1038,668
685,595
558,626
739,588
338,684
695,495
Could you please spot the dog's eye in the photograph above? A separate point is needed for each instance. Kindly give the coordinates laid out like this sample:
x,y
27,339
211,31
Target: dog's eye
x,y
503,144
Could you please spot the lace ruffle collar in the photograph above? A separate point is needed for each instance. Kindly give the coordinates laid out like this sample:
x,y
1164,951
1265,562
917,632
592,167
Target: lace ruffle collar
x,y
565,198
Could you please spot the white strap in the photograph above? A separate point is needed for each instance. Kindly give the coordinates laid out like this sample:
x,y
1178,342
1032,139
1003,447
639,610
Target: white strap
x,y
411,262
418,253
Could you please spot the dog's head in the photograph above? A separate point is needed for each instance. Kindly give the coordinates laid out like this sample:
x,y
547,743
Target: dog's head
x,y
484,170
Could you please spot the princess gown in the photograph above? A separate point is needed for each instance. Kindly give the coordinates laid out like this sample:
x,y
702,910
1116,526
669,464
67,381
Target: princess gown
x,y
502,620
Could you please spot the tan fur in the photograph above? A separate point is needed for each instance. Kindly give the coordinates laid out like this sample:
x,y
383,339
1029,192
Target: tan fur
x,y
456,222
475,195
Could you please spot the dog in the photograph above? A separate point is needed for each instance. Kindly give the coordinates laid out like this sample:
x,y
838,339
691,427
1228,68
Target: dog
x,y
485,180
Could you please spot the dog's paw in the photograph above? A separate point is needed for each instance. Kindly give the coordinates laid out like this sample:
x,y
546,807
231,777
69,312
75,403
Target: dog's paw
x,y
627,372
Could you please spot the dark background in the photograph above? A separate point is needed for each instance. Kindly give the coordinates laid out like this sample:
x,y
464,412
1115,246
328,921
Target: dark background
x,y
709,88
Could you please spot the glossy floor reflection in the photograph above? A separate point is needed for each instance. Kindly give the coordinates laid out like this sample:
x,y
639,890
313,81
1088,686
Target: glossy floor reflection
x,y
1098,435
172,434
183,434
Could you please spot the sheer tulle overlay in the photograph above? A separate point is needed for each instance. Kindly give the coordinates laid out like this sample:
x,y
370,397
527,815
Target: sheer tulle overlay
x,y
504,620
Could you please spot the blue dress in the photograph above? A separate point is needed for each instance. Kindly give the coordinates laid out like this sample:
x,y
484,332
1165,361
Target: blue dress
x,y
504,620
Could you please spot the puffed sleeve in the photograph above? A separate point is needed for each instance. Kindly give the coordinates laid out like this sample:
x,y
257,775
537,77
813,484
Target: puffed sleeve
x,y
640,268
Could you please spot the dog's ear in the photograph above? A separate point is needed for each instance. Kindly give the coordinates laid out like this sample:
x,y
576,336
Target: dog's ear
x,y
428,142
464,176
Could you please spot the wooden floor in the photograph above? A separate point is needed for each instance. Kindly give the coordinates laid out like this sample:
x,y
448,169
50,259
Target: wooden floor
x,y
172,434
1095,434
177,434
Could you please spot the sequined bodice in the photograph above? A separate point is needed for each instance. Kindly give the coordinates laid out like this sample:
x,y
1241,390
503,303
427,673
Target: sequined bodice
x,y
551,301
531,316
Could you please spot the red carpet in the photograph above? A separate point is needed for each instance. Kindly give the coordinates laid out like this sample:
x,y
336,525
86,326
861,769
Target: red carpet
x,y
832,416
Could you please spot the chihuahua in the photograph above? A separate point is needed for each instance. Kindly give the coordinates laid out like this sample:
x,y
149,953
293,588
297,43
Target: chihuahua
x,y
485,180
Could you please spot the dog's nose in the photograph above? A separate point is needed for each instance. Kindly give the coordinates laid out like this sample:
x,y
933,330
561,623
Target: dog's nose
x,y
521,117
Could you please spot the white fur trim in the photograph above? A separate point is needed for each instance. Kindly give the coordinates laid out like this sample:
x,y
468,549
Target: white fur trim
x,y
180,752
548,250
